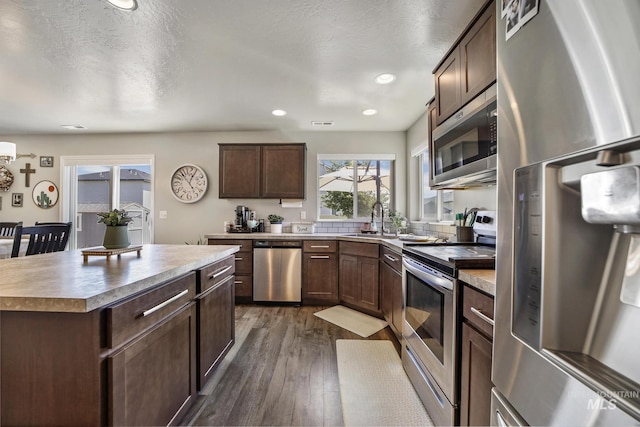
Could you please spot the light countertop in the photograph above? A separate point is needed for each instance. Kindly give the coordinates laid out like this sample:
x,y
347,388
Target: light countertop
x,y
484,280
63,282
390,241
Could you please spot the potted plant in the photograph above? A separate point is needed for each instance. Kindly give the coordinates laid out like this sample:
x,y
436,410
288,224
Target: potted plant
x,y
398,221
276,223
116,235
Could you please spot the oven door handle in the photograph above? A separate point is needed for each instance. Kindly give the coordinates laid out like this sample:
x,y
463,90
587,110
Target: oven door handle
x,y
431,277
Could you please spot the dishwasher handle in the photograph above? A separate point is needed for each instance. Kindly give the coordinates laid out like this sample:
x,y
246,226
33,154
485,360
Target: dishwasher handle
x,y
265,244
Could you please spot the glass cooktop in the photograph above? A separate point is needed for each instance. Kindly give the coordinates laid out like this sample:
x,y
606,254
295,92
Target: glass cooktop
x,y
449,257
452,253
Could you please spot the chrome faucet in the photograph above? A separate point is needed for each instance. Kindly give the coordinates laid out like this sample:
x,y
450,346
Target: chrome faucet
x,y
373,211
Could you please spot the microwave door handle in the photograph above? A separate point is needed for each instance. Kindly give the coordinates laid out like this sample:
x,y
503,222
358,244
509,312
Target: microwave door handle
x,y
432,279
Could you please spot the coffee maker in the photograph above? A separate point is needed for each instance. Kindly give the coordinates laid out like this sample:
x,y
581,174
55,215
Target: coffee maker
x,y
242,216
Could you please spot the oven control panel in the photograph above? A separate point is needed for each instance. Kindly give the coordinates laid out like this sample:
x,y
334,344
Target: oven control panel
x,y
485,223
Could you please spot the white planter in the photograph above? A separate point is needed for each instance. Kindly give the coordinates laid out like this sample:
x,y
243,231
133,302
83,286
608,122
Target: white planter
x,y
276,228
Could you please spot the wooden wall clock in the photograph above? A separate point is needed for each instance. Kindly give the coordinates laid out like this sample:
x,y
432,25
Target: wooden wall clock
x,y
189,183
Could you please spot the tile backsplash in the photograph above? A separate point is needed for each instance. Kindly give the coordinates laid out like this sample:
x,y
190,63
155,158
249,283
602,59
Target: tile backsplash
x,y
442,231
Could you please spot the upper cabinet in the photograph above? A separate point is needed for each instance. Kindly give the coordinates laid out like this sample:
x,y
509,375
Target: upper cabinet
x,y
469,67
283,171
239,171
251,171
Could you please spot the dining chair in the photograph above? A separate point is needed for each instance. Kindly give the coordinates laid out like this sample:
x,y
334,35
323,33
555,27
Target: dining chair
x,y
7,229
43,238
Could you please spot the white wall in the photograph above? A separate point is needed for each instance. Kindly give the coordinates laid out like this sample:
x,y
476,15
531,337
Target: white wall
x,y
187,222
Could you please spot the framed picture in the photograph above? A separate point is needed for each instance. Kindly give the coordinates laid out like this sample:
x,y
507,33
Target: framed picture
x,y
518,13
16,199
45,194
46,161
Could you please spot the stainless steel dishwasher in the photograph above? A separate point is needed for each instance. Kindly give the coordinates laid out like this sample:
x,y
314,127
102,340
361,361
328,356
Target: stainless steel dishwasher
x,y
277,271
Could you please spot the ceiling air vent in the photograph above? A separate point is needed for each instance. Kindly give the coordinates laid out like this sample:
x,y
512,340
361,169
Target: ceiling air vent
x,y
321,124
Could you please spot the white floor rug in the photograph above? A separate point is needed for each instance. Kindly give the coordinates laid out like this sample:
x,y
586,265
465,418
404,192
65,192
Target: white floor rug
x,y
352,320
374,388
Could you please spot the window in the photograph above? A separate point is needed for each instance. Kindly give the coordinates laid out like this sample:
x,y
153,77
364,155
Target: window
x,y
102,183
437,205
349,187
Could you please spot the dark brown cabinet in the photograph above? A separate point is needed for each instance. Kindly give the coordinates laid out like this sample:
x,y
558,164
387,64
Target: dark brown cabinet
x,y
283,171
130,363
243,280
216,316
391,298
275,171
478,55
476,357
239,171
469,67
133,361
320,272
152,367
153,377
447,81
359,276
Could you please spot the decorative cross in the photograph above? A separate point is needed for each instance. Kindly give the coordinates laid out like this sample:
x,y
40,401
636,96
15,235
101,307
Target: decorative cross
x,y
27,171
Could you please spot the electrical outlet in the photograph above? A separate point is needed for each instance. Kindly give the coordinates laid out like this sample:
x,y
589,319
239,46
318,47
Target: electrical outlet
x,y
303,215
163,215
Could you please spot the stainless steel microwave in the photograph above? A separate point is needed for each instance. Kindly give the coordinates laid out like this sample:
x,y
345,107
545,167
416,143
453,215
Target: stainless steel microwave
x,y
464,148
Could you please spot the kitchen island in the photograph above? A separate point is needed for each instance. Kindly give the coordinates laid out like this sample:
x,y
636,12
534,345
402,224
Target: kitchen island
x,y
106,341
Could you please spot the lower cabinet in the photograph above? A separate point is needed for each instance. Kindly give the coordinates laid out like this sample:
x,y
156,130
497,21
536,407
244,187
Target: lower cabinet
x,y
216,319
391,289
359,281
244,268
319,272
133,362
151,368
476,358
152,379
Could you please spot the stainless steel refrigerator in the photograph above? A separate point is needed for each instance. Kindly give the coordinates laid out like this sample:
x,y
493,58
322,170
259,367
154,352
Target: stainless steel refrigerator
x,y
567,334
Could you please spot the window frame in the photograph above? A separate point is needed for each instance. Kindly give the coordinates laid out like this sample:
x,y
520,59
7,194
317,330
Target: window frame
x,y
355,158
68,176
440,215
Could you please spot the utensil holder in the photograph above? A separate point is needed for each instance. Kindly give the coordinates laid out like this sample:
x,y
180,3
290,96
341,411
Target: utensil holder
x,y
464,234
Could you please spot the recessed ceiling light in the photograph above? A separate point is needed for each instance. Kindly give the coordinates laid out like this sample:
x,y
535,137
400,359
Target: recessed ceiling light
x,y
124,4
73,127
279,113
370,112
385,79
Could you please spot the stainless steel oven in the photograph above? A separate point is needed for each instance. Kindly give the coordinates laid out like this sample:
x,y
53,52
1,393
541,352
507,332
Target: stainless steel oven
x,y
429,336
431,314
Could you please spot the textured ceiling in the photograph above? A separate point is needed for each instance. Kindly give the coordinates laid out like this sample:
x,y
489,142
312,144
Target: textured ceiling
x,y
199,65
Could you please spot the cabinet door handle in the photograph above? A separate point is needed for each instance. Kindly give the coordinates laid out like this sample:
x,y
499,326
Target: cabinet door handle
x,y
482,316
239,259
319,256
390,258
165,303
214,287
238,282
220,273
320,246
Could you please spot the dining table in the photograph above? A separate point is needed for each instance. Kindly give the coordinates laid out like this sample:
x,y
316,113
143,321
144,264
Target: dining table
x,y
6,246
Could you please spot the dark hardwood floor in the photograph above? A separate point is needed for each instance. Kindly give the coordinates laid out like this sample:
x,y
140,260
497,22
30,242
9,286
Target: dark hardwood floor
x,y
281,371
